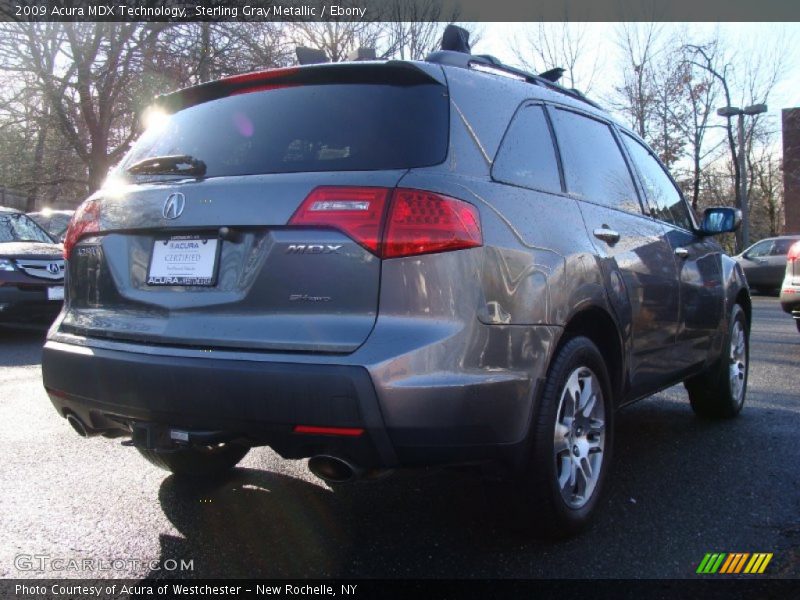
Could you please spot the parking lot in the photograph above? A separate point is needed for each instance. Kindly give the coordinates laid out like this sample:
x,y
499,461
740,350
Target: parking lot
x,y
680,487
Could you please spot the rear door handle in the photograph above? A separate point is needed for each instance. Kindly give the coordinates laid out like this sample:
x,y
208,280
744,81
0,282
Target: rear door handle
x,y
609,236
682,253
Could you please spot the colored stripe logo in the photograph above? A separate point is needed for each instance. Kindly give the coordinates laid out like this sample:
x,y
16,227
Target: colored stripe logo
x,y
734,563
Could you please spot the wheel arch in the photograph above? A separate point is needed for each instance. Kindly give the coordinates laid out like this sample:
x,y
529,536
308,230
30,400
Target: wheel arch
x,y
600,327
743,299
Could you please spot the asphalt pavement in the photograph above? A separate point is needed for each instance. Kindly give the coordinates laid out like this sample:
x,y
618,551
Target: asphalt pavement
x,y
680,487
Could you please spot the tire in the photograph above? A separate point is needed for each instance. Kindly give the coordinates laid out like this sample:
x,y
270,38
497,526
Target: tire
x,y
197,462
569,458
719,392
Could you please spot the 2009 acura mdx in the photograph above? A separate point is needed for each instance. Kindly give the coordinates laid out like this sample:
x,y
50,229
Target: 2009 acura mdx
x,y
393,263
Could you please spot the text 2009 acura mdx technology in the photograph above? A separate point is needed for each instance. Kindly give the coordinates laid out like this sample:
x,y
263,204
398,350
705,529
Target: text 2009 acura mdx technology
x,y
387,264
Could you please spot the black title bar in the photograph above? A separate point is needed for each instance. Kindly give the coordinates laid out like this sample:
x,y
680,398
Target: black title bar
x,y
390,10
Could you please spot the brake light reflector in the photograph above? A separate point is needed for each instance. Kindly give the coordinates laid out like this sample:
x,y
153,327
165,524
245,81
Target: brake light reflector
x,y
416,221
315,430
794,252
356,211
85,220
423,222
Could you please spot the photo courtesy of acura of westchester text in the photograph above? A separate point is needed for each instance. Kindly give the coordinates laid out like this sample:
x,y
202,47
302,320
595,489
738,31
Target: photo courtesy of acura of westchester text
x,y
307,303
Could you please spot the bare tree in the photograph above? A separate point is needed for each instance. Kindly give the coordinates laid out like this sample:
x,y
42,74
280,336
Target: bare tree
x,y
699,89
337,38
413,28
638,44
669,110
89,75
754,77
549,45
768,190
259,45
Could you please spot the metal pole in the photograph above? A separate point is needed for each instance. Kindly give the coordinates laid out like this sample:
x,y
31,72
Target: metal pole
x,y
743,204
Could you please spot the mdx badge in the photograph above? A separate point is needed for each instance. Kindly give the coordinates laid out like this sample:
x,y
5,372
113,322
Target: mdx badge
x,y
173,207
313,248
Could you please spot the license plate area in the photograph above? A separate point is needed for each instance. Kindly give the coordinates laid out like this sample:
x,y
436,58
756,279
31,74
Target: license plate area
x,y
55,293
184,260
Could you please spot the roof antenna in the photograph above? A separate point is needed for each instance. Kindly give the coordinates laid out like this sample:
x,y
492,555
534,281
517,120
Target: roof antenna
x,y
362,54
311,56
456,39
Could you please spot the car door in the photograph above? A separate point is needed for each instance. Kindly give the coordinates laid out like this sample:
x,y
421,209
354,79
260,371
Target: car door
x,y
636,259
755,264
775,267
696,258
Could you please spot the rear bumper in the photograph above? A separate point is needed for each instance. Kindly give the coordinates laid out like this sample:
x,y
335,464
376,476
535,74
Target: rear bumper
x,y
261,402
790,299
28,304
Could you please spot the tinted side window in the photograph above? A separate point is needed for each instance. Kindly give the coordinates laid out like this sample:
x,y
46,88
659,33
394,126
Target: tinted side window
x,y
759,249
661,193
593,164
781,247
527,157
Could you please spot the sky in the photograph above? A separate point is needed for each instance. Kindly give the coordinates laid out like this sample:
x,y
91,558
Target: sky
x,y
742,39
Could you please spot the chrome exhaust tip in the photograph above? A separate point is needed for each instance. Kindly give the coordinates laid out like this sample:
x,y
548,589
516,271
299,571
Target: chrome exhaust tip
x,y
77,425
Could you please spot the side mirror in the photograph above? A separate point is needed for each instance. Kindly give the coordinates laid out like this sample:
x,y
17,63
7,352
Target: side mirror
x,y
721,219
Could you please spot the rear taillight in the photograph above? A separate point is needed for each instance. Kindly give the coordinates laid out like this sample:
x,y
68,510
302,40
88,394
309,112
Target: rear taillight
x,y
85,220
794,252
416,222
355,211
423,222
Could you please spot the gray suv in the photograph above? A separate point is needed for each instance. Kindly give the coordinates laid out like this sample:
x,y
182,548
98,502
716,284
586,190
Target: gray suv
x,y
386,264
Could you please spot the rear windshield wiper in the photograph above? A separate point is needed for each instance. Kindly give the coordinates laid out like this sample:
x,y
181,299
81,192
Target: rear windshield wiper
x,y
178,164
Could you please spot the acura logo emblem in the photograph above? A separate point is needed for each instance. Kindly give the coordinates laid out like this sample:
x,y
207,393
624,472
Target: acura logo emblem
x,y
54,268
173,207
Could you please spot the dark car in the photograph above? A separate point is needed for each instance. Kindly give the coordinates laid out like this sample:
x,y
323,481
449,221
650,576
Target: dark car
x,y
764,263
31,270
385,264
55,222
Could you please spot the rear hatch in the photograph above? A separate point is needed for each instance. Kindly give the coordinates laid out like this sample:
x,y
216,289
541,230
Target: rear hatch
x,y
202,250
792,278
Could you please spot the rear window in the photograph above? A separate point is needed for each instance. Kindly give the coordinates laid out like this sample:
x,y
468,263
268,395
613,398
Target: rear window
x,y
336,127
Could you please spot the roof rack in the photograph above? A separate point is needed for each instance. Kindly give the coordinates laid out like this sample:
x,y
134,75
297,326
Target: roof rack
x,y
455,52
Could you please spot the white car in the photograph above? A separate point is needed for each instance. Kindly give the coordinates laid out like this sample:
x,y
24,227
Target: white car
x,y
790,290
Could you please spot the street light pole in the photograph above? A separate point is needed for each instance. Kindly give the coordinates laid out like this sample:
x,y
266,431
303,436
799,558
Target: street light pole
x,y
741,191
744,205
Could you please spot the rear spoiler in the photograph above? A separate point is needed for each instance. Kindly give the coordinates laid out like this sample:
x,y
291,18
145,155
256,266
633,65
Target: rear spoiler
x,y
400,73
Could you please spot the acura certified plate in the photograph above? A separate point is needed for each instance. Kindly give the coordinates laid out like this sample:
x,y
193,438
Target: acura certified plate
x,y
183,260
